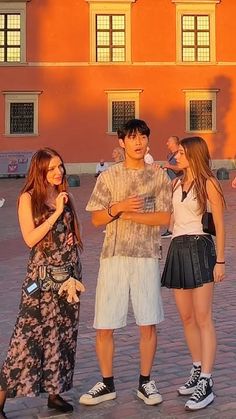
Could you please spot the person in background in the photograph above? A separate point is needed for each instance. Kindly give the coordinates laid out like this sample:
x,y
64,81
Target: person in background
x,y
148,157
41,354
101,167
234,183
118,154
132,199
172,171
193,264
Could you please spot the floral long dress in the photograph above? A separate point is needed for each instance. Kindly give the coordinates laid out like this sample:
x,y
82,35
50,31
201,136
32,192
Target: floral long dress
x,y
41,353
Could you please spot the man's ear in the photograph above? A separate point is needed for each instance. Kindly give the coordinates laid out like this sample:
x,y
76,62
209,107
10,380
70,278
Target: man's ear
x,y
121,143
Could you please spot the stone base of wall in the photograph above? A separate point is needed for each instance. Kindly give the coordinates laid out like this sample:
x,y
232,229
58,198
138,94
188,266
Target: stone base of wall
x,y
77,168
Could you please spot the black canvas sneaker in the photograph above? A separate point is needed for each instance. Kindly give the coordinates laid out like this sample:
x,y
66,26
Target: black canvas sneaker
x,y
98,394
202,396
167,234
149,393
190,385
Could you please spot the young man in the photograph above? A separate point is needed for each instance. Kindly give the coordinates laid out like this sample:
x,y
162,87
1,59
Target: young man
x,y
171,167
133,199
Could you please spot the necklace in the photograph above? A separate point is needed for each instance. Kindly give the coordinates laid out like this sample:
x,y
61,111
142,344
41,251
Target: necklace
x,y
185,193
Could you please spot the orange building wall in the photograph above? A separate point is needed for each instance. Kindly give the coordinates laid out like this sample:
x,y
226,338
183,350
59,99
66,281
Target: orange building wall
x,y
73,103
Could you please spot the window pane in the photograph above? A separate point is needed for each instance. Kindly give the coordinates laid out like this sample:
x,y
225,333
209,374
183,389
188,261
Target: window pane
x,y
1,38
1,54
103,22
188,54
2,21
103,38
203,38
13,54
103,54
118,38
21,118
118,22
13,21
188,38
118,54
200,115
203,54
122,111
13,38
202,22
188,22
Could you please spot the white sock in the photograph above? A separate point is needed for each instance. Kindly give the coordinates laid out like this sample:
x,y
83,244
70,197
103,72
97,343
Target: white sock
x,y
205,375
197,364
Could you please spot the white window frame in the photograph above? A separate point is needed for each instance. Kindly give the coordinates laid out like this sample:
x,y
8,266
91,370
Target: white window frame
x,y
123,96
21,97
17,7
200,94
195,7
110,7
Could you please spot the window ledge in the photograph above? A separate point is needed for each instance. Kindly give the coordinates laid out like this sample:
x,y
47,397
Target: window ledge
x,y
20,135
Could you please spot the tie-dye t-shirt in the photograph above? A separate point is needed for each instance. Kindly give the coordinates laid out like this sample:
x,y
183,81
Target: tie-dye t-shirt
x,y
125,237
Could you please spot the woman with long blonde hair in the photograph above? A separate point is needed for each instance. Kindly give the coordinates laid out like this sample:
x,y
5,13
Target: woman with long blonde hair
x,y
41,353
194,264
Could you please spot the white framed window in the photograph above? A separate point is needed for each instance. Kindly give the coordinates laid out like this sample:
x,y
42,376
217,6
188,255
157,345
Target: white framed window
x,y
21,113
123,105
12,32
200,106
110,31
195,31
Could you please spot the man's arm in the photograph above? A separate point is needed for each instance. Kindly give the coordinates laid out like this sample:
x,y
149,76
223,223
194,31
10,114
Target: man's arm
x,y
132,204
149,218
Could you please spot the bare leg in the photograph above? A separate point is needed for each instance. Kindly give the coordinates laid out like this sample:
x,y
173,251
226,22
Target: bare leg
x,y
105,351
3,396
148,345
202,301
184,303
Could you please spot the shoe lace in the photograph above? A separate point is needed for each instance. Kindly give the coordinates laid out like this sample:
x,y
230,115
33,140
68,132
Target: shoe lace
x,y
97,388
200,390
195,374
150,387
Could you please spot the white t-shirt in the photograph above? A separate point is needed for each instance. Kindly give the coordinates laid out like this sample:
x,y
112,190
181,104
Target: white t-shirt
x,y
187,218
101,168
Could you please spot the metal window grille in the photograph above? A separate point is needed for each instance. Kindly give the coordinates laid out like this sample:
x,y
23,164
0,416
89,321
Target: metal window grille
x,y
196,38
110,38
10,37
122,111
200,115
21,118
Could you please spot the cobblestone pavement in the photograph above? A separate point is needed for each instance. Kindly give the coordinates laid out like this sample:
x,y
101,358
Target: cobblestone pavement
x,y
172,362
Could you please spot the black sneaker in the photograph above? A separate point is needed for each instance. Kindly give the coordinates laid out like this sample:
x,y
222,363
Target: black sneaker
x,y
202,396
149,393
167,234
98,394
59,404
190,385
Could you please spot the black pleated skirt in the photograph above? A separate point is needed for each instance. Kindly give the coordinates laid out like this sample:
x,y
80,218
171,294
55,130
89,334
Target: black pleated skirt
x,y
190,262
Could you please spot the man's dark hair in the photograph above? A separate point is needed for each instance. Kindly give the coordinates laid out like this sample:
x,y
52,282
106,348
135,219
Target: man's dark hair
x,y
132,127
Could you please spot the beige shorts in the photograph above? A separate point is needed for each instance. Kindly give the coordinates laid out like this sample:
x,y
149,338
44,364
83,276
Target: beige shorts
x,y
120,277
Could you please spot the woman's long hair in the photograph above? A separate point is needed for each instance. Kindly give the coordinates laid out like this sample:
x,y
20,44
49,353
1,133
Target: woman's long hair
x,y
37,185
198,156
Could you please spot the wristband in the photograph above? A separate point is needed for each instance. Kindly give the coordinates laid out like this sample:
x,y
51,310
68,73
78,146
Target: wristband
x,y
109,211
220,263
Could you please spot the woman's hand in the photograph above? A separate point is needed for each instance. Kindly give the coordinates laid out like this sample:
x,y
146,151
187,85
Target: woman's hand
x,y
61,200
71,286
219,272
